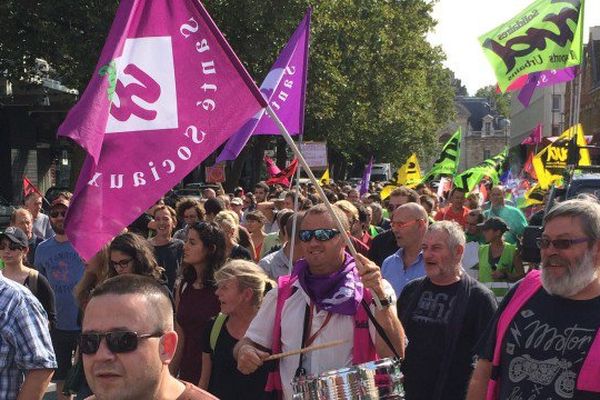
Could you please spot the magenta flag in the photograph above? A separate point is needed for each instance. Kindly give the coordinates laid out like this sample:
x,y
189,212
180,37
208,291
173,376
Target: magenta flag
x,y
366,178
174,91
543,79
536,135
284,88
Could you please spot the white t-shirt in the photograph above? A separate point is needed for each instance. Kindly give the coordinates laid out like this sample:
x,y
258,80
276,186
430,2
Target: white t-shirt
x,y
340,327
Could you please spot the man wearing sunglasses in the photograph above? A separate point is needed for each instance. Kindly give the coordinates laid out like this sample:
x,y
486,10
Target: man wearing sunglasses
x,y
326,290
128,341
57,260
545,337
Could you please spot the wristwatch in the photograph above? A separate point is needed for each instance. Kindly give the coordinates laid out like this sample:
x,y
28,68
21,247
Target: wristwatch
x,y
382,303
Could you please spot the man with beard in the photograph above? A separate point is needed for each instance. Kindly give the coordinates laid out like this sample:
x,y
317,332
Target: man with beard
x,y
444,314
544,339
58,261
331,294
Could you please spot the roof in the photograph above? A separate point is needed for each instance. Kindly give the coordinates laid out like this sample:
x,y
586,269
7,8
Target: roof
x,y
478,107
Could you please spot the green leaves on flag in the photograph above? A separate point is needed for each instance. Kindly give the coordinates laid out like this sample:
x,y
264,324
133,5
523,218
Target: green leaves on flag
x,y
492,168
447,162
546,35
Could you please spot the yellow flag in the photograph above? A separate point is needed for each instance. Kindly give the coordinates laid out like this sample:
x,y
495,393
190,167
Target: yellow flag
x,y
324,178
409,174
386,191
552,160
534,196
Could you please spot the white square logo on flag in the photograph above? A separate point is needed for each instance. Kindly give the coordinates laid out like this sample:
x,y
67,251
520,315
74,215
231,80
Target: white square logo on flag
x,y
145,96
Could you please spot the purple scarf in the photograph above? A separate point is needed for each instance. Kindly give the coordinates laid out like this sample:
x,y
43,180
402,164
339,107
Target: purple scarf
x,y
339,293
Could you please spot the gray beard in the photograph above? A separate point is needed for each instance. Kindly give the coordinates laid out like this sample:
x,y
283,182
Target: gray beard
x,y
574,280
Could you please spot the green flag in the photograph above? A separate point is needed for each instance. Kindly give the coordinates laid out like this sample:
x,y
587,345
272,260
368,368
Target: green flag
x,y
447,162
546,35
492,168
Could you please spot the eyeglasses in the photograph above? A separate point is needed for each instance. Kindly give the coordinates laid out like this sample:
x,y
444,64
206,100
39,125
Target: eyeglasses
x,y
560,244
322,235
121,264
117,342
55,214
400,225
11,246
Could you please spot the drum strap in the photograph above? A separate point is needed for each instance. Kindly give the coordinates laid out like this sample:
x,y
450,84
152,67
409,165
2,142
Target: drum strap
x,y
306,339
379,329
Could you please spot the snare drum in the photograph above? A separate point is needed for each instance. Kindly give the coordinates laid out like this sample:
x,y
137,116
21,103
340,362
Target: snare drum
x,y
381,379
373,380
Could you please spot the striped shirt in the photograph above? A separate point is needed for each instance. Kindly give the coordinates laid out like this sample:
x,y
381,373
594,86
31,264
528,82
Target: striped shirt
x,y
24,337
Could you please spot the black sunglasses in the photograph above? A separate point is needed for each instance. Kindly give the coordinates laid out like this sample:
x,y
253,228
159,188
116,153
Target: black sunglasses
x,y
117,342
321,235
11,246
55,214
560,244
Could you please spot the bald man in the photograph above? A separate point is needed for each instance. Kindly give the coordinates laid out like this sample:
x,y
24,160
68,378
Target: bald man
x,y
409,224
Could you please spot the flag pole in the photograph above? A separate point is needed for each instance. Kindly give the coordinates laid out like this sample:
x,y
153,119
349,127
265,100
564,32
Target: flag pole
x,y
292,239
311,176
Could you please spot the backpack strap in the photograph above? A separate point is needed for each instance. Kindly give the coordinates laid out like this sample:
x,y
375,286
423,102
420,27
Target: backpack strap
x,y
33,281
284,291
216,330
525,291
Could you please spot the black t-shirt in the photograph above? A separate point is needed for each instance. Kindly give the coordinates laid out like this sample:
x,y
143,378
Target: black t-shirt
x,y
383,246
427,328
45,295
169,257
544,346
226,382
240,253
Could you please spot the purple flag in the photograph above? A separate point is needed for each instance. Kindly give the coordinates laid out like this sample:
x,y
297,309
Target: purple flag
x,y
366,178
543,79
168,91
284,88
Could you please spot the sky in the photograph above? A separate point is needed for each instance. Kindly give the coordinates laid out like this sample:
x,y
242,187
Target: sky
x,y
461,22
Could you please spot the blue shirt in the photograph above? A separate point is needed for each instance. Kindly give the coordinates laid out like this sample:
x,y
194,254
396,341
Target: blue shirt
x,y
62,266
394,272
24,338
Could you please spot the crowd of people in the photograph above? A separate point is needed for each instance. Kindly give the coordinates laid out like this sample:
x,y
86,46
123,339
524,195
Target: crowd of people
x,y
190,300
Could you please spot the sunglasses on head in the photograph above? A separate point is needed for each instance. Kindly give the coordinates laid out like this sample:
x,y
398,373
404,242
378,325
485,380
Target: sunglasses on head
x,y
117,342
560,244
321,235
11,246
56,213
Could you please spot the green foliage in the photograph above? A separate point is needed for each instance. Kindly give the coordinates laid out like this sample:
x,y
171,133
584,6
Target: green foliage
x,y
376,86
499,101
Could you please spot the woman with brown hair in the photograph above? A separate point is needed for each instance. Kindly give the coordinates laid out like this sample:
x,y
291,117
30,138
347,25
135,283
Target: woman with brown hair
x,y
195,299
132,254
255,223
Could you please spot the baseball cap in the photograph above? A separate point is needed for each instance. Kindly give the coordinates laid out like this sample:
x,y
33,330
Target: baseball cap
x,y
15,235
236,201
494,223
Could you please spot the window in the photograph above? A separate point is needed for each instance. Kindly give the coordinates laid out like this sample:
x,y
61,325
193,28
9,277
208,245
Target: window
x,y
486,154
487,128
556,98
555,130
595,58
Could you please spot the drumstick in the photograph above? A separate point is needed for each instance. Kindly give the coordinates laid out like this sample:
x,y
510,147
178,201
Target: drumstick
x,y
277,356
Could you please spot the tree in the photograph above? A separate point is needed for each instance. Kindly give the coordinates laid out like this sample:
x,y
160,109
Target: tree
x,y
499,101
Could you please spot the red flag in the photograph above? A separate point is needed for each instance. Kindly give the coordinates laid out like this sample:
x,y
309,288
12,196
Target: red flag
x,y
284,176
272,168
29,187
536,135
528,167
